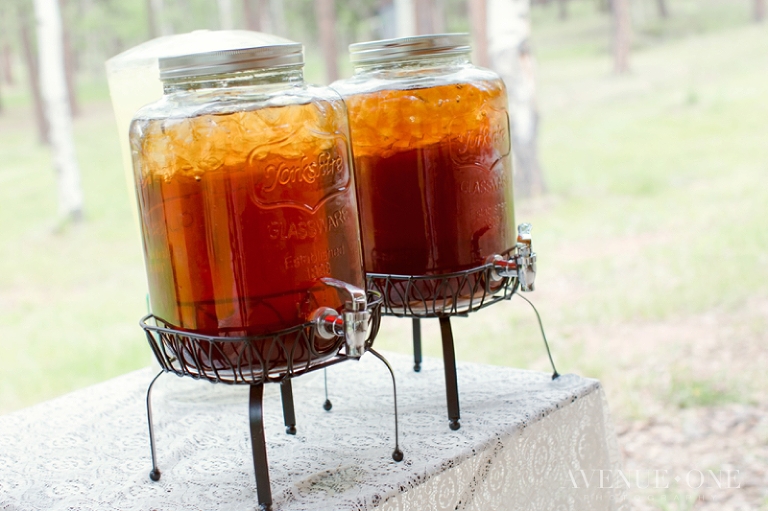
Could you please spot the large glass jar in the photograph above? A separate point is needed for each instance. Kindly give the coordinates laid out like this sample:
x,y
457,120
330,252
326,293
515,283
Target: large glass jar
x,y
245,193
430,135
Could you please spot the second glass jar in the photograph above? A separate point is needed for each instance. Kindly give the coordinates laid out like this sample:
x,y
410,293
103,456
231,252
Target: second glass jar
x,y
431,141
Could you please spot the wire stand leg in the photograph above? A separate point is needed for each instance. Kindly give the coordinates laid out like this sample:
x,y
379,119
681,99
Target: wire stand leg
x,y
327,405
555,374
155,473
289,413
451,381
416,344
397,454
259,447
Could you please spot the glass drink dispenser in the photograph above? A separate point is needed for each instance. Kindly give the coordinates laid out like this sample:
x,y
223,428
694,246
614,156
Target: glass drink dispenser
x,y
246,196
431,141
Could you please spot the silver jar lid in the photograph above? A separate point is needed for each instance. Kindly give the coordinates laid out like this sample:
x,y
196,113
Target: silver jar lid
x,y
231,61
405,47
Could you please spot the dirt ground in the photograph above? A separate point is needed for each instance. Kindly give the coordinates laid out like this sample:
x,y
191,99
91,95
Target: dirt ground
x,y
699,412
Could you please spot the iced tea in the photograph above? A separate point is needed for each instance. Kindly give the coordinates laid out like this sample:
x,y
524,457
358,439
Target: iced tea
x,y
243,212
434,177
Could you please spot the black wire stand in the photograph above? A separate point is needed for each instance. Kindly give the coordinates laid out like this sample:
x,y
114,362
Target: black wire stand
x,y
256,360
458,294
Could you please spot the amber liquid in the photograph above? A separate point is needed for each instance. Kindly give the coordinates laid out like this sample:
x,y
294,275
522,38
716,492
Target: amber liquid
x,y
434,178
241,215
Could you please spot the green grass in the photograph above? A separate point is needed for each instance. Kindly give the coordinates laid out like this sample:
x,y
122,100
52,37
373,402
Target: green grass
x,y
682,182
70,300
689,391
657,210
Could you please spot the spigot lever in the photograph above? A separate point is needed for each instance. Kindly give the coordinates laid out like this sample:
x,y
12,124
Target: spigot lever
x,y
352,323
521,264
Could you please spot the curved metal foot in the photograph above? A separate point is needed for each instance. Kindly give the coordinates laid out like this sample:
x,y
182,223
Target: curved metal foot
x,y
327,405
397,455
155,473
451,379
555,374
259,446
289,415
416,345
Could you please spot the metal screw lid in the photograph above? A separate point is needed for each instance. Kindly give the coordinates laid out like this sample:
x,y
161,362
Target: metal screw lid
x,y
231,61
406,47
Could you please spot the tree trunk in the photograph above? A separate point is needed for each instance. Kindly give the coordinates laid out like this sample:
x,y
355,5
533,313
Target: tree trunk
x,y
158,25
562,9
405,15
277,17
424,17
8,65
33,75
252,14
509,30
622,33
326,17
661,5
54,88
438,16
478,16
225,15
152,20
69,63
759,10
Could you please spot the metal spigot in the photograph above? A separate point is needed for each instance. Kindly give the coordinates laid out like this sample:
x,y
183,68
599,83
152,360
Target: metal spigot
x,y
352,323
526,258
521,264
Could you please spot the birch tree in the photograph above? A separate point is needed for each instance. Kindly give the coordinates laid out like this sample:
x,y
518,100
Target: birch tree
x,y
405,17
423,17
69,60
7,63
152,20
54,90
759,10
509,30
661,6
225,15
326,16
252,14
158,24
33,72
429,16
622,33
478,20
277,17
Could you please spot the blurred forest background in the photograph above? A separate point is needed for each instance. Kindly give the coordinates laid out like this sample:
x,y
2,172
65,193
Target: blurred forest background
x,y
652,233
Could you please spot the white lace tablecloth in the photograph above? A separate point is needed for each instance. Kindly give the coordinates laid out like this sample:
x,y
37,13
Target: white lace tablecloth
x,y
526,442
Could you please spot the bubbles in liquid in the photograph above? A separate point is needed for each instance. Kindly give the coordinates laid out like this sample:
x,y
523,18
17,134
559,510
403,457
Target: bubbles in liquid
x,y
416,118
